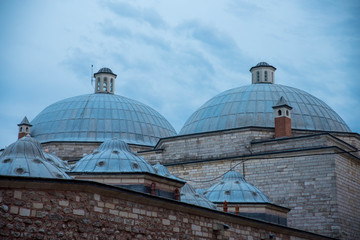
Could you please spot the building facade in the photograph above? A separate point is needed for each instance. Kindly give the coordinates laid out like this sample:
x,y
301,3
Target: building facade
x,y
289,144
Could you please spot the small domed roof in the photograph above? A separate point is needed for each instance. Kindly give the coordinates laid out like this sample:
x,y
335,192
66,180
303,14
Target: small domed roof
x,y
55,160
251,106
189,195
262,64
112,157
234,189
26,158
105,70
163,171
98,117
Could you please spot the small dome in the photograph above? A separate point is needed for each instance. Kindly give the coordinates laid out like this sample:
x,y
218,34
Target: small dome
x,y
251,106
105,70
112,157
114,144
262,64
56,161
234,189
189,195
163,171
25,158
98,117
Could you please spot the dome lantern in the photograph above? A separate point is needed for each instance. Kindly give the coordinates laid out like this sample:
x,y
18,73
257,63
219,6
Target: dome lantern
x,y
263,73
104,81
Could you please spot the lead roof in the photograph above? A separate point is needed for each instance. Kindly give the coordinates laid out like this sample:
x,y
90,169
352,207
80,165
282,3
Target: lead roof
x,y
98,117
25,158
233,188
112,156
251,106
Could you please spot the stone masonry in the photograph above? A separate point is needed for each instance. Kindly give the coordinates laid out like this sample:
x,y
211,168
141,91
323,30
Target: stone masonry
x,y
316,175
70,209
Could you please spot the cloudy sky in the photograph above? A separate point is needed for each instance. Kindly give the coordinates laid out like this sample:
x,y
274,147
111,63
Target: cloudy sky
x,y
175,55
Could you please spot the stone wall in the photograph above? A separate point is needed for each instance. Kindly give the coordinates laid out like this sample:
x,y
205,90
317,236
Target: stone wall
x,y
306,185
348,197
227,143
70,209
73,151
204,146
299,173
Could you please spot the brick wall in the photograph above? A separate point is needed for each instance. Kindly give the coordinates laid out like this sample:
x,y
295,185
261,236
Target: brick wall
x,y
70,209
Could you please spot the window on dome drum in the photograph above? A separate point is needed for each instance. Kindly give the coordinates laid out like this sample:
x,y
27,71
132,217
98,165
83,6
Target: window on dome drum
x,y
272,76
287,112
105,81
266,76
279,112
27,129
98,84
20,129
111,85
258,76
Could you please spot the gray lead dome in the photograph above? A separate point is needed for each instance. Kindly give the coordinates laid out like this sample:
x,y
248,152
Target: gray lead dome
x,y
98,117
25,158
112,156
234,189
252,106
105,70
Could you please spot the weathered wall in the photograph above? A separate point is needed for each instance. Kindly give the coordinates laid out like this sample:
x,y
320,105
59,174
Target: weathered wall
x,y
294,176
304,184
70,151
69,209
205,146
348,197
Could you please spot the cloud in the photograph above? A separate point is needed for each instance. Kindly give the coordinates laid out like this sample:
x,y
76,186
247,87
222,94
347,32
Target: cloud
x,y
218,43
79,62
140,14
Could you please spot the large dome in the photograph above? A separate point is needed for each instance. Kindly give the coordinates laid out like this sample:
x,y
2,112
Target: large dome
x,y
100,116
252,106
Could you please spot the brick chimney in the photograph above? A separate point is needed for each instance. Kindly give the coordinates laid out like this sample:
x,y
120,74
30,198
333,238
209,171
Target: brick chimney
x,y
282,113
24,128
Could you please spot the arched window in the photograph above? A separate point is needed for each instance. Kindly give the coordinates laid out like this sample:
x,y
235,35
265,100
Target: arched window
x,y
287,112
105,83
111,85
272,76
27,129
20,129
266,76
98,84
279,112
258,76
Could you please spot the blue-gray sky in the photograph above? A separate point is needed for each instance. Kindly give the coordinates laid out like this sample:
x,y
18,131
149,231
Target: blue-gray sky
x,y
175,55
